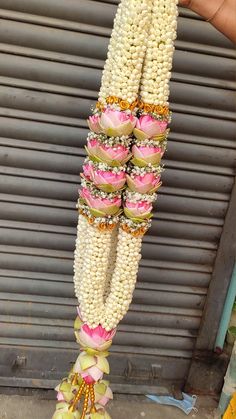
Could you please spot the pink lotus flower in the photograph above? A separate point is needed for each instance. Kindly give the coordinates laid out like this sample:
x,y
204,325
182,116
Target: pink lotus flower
x,y
148,154
109,181
139,209
116,155
97,338
88,170
100,207
117,123
143,184
148,127
94,123
91,367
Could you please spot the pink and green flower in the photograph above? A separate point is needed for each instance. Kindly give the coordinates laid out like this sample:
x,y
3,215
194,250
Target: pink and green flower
x,y
100,207
108,181
113,155
143,155
149,127
138,211
117,123
147,183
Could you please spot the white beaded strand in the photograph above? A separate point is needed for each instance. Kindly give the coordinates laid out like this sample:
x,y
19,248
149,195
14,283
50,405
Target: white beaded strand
x,y
108,272
156,74
122,72
80,246
123,279
93,275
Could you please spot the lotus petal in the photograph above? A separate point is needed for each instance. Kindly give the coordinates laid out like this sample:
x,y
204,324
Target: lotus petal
x,y
103,364
86,361
65,386
77,323
97,213
140,218
140,135
107,188
156,188
139,162
100,388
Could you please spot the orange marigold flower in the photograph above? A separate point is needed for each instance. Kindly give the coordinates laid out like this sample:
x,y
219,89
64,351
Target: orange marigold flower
x,y
148,108
110,100
124,104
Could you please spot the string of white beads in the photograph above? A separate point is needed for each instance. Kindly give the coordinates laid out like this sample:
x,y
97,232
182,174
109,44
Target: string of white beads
x,y
112,261
123,279
93,275
156,74
122,72
79,253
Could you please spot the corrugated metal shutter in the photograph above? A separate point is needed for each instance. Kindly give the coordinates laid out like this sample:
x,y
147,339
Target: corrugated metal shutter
x,y
51,57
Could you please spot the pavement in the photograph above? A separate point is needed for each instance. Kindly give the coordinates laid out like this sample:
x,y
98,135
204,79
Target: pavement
x,y
34,407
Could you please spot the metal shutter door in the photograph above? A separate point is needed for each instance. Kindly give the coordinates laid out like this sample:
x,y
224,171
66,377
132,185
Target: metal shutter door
x,y
51,57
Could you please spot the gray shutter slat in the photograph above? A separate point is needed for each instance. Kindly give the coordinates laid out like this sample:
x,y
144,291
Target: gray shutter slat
x,y
51,57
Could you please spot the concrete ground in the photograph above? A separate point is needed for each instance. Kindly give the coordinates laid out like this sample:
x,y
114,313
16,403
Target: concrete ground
x,y
32,407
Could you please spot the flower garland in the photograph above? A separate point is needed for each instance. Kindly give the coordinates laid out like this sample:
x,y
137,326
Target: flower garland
x,y
120,180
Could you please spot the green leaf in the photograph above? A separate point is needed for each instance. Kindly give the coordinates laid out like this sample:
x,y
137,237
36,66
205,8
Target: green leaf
x,y
128,213
159,137
139,219
139,162
107,188
114,163
95,159
140,135
113,210
77,323
97,213
112,132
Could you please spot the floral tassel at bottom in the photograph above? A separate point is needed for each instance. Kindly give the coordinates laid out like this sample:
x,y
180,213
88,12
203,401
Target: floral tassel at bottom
x,y
84,393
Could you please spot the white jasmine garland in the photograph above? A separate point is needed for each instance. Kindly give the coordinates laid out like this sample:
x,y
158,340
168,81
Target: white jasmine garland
x,y
108,248
156,74
80,246
109,269
112,260
123,280
93,275
122,72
